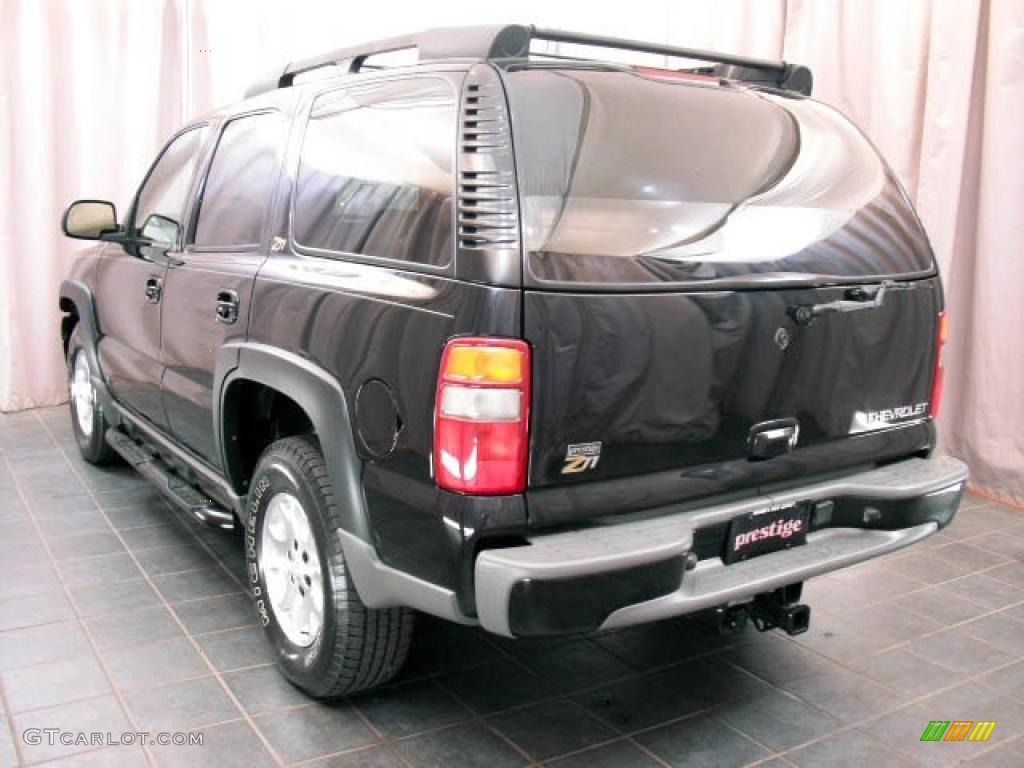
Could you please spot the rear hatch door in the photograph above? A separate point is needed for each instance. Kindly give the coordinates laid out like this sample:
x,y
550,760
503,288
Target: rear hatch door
x,y
705,266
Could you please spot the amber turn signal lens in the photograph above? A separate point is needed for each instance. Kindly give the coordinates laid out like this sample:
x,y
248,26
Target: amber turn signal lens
x,y
497,365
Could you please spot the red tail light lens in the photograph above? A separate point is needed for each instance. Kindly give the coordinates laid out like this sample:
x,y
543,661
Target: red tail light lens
x,y
941,334
481,416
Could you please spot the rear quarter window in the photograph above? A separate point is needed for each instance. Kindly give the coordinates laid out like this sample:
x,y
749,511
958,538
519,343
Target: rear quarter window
x,y
375,176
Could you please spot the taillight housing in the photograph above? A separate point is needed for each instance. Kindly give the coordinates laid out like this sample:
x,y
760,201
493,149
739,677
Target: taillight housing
x,y
941,333
482,416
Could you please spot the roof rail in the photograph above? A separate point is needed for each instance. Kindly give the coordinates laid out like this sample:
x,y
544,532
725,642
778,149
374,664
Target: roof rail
x,y
512,41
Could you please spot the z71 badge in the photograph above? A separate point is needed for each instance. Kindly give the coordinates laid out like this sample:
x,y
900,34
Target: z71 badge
x,y
579,457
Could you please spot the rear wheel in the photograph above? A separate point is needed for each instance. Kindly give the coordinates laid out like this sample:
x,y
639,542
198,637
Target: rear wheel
x,y
87,418
326,640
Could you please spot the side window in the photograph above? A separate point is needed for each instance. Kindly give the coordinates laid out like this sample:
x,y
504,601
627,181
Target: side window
x,y
236,195
160,207
375,177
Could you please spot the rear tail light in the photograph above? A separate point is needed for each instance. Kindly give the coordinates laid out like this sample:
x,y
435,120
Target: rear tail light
x,y
941,333
481,416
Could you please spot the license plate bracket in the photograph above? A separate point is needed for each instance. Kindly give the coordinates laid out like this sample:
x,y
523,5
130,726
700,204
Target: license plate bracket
x,y
758,533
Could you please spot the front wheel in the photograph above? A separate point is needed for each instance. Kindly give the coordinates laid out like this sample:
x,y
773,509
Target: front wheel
x,y
87,419
326,640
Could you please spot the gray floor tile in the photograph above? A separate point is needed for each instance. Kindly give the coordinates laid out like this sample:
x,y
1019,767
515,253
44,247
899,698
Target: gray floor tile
x,y
80,521
314,731
193,585
575,664
1001,629
410,708
984,590
100,715
263,689
778,720
168,534
702,742
146,666
23,611
236,648
639,702
55,682
552,728
217,613
906,672
941,604
776,659
711,680
850,749
614,755
181,706
229,744
463,746
8,754
368,757
34,579
103,569
134,629
446,649
958,650
175,559
35,645
85,545
121,756
848,696
496,686
1008,681
120,597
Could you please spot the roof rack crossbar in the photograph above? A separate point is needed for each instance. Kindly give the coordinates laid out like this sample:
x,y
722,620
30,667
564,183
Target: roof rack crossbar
x,y
512,41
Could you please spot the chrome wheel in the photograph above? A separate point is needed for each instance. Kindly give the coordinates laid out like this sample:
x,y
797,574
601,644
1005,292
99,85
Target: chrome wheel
x,y
82,394
290,564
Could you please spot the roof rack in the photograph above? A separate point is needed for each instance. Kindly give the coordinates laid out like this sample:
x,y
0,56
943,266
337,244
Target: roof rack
x,y
512,41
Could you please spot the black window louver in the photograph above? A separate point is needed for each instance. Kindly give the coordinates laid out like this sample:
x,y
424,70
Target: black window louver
x,y
488,212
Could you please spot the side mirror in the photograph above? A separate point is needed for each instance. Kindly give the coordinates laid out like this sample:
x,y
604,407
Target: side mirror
x,y
90,220
161,232
158,236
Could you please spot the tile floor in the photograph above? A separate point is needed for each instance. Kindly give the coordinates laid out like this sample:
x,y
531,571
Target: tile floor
x,y
117,615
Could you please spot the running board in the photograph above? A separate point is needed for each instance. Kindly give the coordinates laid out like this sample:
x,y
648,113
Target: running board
x,y
180,493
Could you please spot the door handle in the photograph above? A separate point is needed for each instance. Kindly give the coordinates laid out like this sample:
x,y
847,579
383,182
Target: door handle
x,y
772,438
227,307
154,287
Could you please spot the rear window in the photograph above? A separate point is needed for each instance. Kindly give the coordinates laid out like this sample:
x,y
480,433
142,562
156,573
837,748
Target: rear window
x,y
631,180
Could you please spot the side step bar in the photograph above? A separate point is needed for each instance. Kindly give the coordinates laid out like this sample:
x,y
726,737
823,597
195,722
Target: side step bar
x,y
184,496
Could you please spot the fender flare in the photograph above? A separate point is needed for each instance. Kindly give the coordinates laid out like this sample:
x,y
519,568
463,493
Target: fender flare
x,y
79,294
320,395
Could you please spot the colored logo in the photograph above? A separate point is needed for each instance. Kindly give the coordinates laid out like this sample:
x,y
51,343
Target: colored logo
x,y
958,730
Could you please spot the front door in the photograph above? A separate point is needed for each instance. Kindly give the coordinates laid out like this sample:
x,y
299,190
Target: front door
x,y
130,280
208,290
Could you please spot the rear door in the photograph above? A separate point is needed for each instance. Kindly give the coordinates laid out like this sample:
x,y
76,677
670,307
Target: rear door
x,y
208,291
705,268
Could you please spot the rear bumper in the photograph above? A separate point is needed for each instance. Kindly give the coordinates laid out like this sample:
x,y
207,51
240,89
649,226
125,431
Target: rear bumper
x,y
615,575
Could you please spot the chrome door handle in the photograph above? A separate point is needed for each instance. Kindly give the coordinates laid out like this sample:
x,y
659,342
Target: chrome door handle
x,y
227,307
154,287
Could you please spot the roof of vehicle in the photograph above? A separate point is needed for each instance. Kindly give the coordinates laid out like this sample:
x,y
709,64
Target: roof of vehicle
x,y
512,42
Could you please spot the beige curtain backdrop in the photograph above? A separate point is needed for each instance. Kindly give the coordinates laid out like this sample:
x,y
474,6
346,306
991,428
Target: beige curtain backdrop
x,y
89,90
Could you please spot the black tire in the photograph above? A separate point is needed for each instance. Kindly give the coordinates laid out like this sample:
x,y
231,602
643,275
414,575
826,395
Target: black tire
x,y
357,648
92,443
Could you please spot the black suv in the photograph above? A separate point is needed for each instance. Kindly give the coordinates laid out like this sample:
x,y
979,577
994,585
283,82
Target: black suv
x,y
535,342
